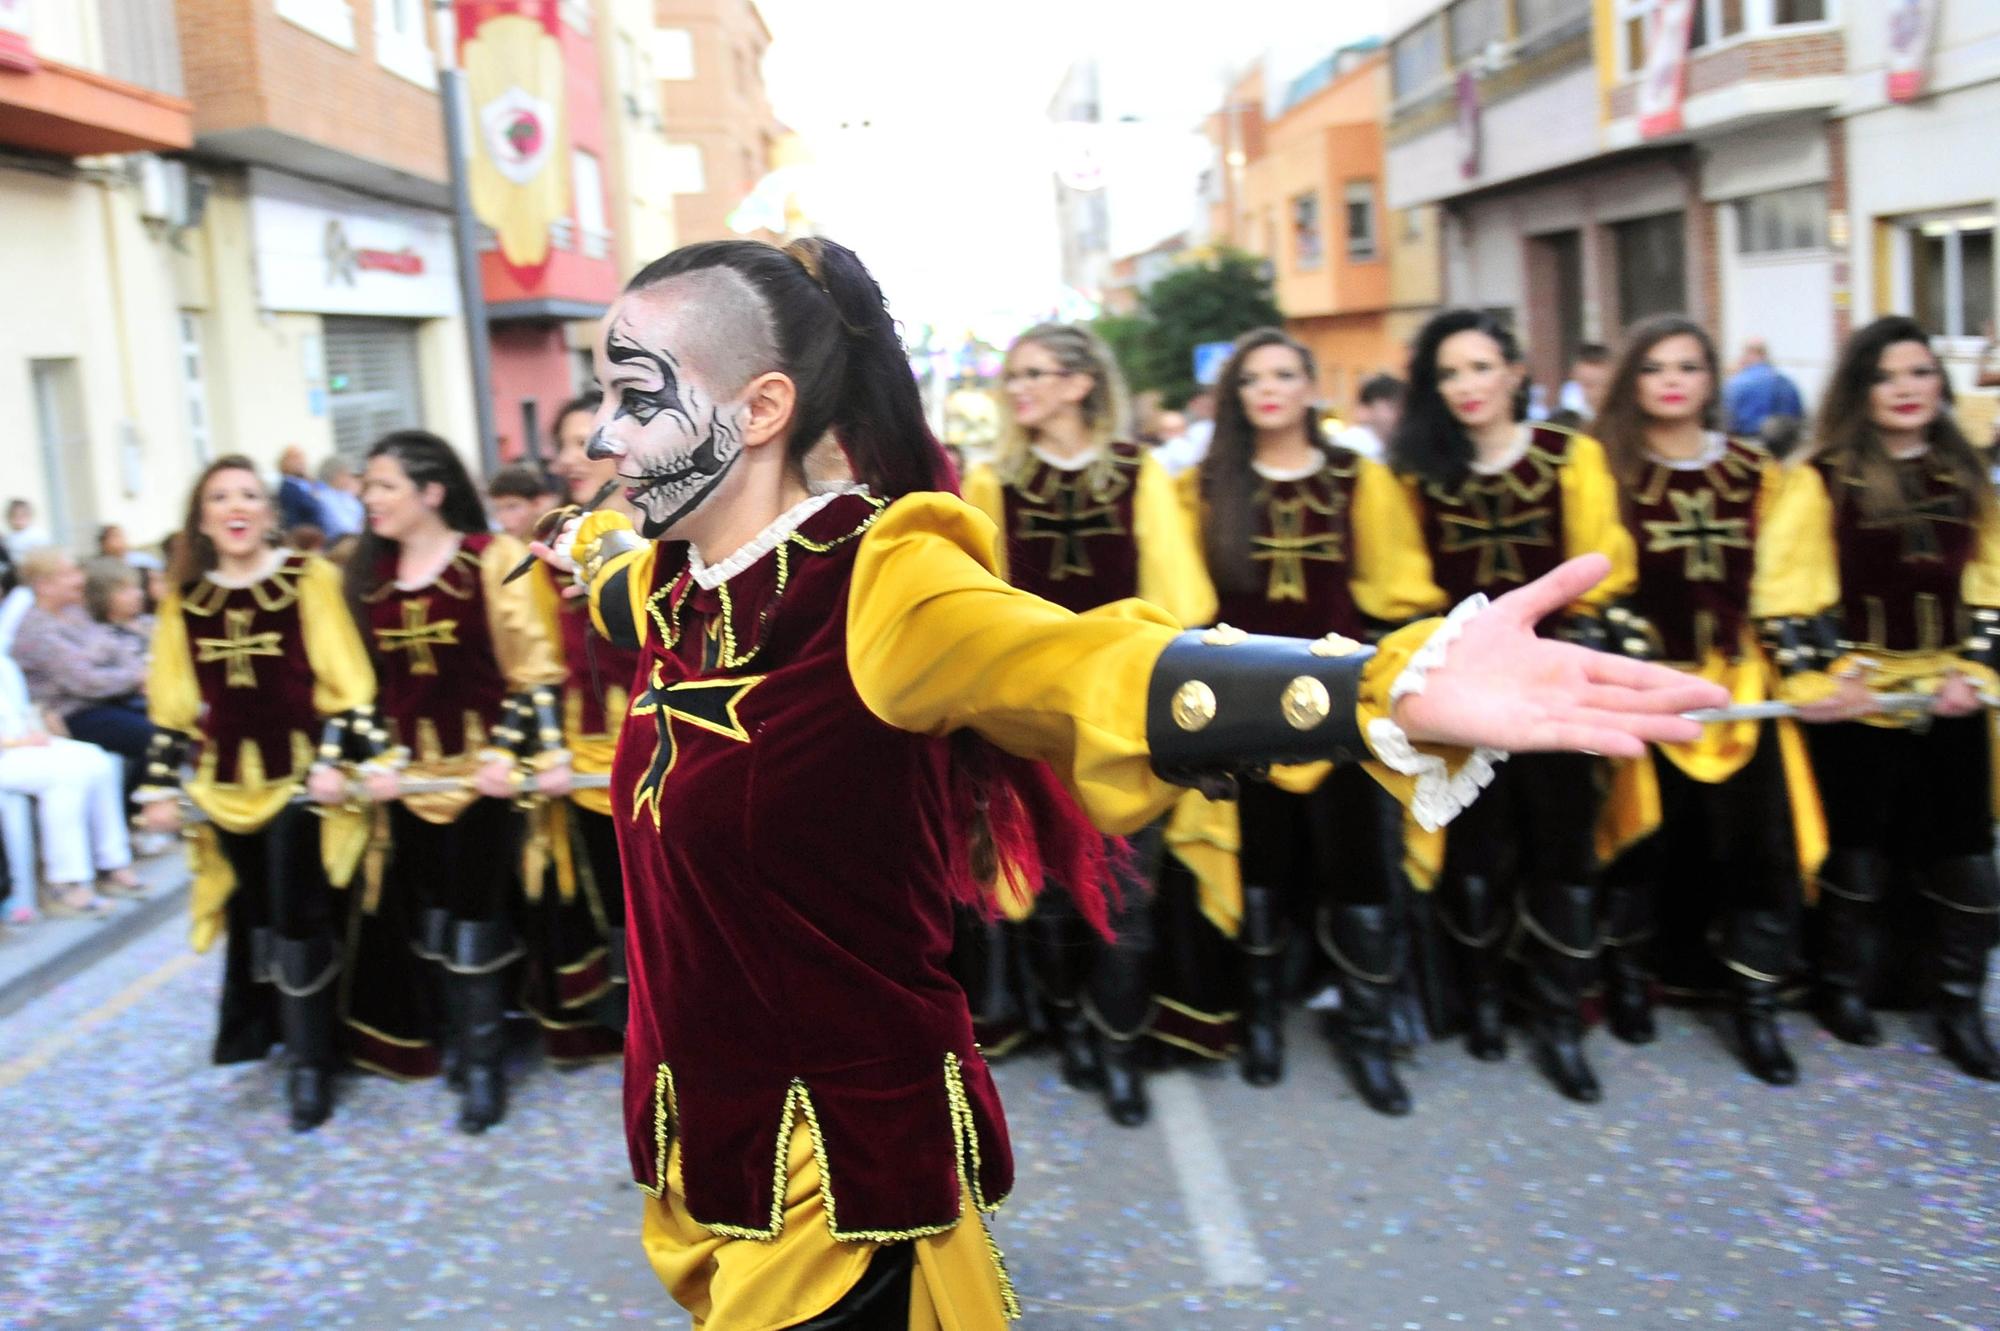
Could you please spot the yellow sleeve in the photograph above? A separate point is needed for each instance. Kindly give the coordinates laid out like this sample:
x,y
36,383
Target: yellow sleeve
x,y
1798,572
173,699
1981,584
548,606
981,489
1172,573
1391,569
620,585
343,676
936,642
1593,524
519,640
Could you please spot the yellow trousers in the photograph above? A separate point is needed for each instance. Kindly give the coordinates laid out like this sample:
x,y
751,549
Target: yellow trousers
x,y
727,1284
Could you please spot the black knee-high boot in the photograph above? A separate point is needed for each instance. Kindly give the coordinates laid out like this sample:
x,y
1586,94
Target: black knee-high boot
x,y
304,970
1363,944
1121,1004
1967,896
1473,919
879,1301
1628,979
1759,954
983,963
1558,943
1850,884
1054,935
613,1008
480,950
1262,942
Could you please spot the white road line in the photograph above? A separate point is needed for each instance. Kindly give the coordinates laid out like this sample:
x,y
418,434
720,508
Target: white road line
x,y
1221,1228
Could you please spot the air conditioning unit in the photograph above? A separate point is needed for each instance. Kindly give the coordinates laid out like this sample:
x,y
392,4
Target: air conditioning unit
x,y
169,193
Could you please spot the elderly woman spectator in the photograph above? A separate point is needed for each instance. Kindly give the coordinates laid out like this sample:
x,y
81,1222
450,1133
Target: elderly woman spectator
x,y
79,801
90,676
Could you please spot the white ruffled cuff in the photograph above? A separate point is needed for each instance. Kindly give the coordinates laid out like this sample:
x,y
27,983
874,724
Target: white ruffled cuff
x,y
1441,794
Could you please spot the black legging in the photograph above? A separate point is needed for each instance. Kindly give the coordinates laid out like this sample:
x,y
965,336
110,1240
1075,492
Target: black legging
x,y
278,870
466,868
1915,795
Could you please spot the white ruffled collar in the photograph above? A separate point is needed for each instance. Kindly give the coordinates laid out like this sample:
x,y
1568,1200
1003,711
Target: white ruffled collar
x,y
710,576
273,561
1714,446
1271,473
1077,463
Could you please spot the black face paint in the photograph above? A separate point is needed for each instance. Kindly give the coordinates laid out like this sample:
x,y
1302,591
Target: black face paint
x,y
671,492
644,404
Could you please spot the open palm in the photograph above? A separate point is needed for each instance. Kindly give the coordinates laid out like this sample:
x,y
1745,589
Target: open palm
x,y
1502,687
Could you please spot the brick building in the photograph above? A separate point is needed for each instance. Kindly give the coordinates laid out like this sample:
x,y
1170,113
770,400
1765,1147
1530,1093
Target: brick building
x,y
708,60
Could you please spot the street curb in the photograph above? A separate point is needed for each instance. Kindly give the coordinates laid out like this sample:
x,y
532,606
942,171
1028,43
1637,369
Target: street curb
x,y
92,947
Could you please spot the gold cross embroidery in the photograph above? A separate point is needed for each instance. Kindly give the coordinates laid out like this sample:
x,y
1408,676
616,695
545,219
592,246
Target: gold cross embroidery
x,y
417,636
1067,530
237,648
1494,533
1288,548
1697,530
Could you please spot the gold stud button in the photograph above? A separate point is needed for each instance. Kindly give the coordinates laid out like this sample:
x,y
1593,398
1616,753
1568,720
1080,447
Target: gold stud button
x,y
1193,705
1333,644
1305,703
1223,635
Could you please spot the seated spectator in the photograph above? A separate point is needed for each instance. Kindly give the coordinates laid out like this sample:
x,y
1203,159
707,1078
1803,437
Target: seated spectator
x,y
113,543
113,595
306,539
79,803
90,676
520,497
339,494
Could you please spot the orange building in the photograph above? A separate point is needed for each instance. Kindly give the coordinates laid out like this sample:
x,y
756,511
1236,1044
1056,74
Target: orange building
x,y
1303,188
708,56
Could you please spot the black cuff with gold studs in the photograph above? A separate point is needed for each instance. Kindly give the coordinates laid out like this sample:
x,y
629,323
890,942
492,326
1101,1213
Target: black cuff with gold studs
x,y
1798,644
1982,643
1223,702
1631,634
166,754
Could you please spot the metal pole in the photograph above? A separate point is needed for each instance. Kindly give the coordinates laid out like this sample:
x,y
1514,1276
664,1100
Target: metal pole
x,y
465,228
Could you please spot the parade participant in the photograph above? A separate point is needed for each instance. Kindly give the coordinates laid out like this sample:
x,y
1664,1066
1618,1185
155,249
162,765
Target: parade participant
x,y
259,677
573,915
520,496
1886,551
1087,518
1502,501
468,683
1717,814
1305,539
849,723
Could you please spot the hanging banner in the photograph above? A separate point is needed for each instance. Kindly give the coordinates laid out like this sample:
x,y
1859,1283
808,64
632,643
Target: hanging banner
x,y
1912,27
17,23
1466,128
519,168
1663,83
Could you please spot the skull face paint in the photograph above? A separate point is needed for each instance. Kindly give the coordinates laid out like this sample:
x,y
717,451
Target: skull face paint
x,y
675,444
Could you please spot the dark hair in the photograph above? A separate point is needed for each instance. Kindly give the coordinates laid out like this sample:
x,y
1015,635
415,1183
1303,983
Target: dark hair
x,y
1429,442
306,538
836,342
425,459
106,530
1780,434
1227,481
189,552
519,481
587,402
1379,388
1620,425
1845,433
1591,353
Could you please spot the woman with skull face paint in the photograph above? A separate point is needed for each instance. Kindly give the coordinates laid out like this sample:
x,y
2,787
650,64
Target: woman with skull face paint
x,y
800,1066
468,690
1086,519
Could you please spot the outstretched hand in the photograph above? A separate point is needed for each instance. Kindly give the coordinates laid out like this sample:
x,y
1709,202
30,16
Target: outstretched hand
x,y
1502,687
556,552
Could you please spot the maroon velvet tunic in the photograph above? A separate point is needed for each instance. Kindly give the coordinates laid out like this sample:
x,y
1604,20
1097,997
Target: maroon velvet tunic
x,y
592,663
436,668
1068,544
789,944
1696,533
249,653
1302,547
1900,581
1494,533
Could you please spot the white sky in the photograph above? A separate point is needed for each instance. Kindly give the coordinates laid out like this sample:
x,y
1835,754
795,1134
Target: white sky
x,y
948,192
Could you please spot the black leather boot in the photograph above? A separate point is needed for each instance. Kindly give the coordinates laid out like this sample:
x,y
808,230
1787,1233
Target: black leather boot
x,y
1476,934
1058,950
473,989
1850,885
612,1009
304,969
1628,981
1120,1002
1364,947
1124,1082
1559,946
879,1301
1263,947
1966,896
1760,951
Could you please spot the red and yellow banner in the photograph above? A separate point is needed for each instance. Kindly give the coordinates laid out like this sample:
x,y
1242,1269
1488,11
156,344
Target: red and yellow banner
x,y
519,168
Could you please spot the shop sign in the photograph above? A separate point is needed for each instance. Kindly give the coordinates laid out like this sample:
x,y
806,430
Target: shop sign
x,y
326,251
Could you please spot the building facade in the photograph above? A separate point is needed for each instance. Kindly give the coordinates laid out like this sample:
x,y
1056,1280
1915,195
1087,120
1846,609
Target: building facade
x,y
706,62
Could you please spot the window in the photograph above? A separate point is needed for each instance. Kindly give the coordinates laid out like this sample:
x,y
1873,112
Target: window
x,y
685,173
1951,273
587,180
1783,220
1361,219
401,46
1714,21
1798,11
1533,17
1416,60
673,54
66,461
330,19
194,390
1308,246
1652,274
1475,25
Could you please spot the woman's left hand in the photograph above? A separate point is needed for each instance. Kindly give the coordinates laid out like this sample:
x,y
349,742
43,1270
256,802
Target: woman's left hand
x,y
1502,687
495,779
1956,697
553,782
